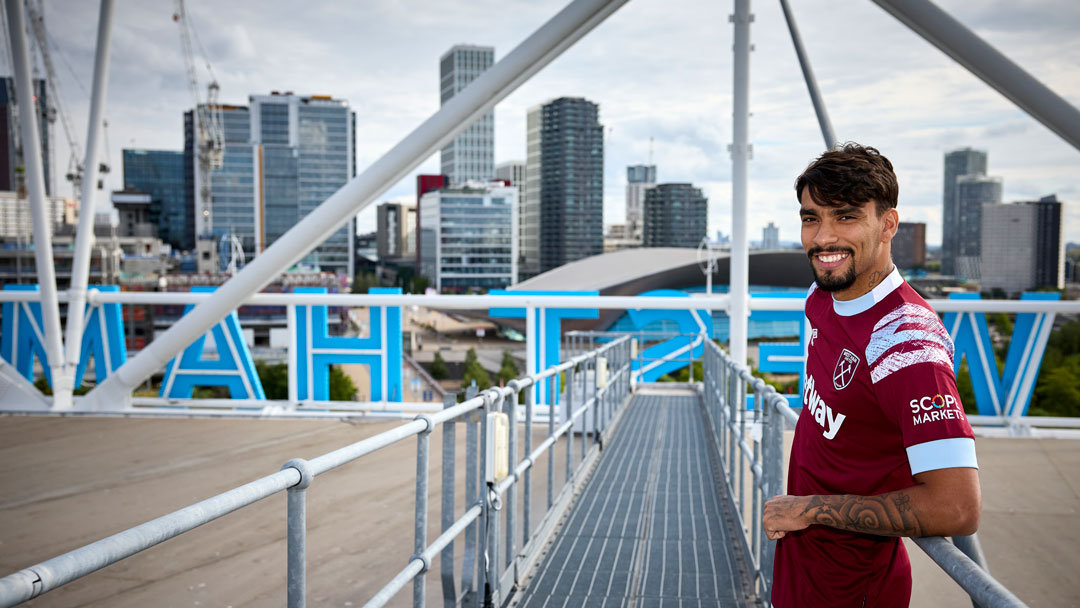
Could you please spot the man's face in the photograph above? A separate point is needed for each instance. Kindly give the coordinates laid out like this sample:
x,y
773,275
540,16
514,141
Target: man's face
x,y
847,245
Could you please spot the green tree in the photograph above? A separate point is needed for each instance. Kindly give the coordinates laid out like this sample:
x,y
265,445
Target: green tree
x,y
475,372
1057,391
683,375
509,369
438,367
965,390
1001,323
419,284
43,385
341,385
274,379
364,281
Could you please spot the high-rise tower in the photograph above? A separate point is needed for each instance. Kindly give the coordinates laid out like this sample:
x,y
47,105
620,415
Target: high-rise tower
x,y
305,144
11,161
965,161
972,192
564,212
639,178
471,155
676,215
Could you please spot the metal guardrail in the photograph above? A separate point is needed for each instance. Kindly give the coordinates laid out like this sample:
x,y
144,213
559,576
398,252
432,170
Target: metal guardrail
x,y
751,445
491,570
584,340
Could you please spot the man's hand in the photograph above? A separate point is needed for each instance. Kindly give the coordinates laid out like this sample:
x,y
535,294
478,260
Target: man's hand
x,y
785,514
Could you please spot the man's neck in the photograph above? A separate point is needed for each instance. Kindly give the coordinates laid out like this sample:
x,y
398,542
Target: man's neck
x,y
866,282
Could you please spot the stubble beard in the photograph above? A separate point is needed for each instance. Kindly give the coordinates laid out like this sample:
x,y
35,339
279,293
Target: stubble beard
x,y
831,280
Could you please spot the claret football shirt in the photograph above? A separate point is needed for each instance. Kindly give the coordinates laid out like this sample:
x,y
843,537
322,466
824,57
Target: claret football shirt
x,y
879,406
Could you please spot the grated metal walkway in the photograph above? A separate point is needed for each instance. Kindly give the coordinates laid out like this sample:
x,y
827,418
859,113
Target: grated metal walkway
x,y
648,529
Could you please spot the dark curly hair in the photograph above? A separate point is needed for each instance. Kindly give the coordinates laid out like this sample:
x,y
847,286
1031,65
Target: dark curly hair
x,y
850,174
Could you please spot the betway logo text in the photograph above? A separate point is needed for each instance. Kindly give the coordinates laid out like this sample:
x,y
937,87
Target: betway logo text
x,y
823,414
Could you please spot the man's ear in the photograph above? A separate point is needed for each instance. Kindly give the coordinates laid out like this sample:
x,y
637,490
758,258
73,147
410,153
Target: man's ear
x,y
889,225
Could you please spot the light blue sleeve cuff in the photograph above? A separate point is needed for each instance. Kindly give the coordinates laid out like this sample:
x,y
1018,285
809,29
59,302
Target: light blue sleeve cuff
x,y
942,454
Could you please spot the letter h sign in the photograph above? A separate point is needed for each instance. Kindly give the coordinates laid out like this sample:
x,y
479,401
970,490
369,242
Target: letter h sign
x,y
315,351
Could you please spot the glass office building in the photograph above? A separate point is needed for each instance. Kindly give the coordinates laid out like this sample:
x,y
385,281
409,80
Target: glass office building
x,y
306,147
160,173
284,155
469,238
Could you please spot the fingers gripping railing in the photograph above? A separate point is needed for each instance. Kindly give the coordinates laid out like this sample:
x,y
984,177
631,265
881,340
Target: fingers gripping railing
x,y
751,441
490,572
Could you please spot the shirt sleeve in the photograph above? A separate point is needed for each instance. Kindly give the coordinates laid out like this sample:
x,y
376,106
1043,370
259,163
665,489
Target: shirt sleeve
x,y
910,358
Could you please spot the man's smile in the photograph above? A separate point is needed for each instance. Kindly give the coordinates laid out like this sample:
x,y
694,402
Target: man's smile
x,y
830,260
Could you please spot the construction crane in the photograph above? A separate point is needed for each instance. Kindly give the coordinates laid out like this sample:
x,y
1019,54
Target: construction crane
x,y
55,110
209,132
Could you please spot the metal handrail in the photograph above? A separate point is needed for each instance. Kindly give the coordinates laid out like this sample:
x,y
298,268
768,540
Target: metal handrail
x,y
605,403
719,302
752,440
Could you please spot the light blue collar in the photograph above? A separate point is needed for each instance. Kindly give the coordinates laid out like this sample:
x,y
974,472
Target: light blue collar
x,y
863,303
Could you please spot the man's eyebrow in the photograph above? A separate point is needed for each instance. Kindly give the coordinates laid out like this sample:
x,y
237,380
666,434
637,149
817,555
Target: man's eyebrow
x,y
807,211
845,210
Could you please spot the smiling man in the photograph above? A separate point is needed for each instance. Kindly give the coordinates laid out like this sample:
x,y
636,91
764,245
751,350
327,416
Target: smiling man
x,y
882,448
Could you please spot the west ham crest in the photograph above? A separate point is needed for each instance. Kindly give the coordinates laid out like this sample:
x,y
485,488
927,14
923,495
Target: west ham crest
x,y
845,369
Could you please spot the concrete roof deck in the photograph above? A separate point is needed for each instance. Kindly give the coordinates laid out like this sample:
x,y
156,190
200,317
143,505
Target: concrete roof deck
x,y
73,480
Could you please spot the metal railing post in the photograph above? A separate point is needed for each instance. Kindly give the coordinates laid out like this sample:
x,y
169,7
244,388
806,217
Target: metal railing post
x,y
491,583
446,560
569,433
470,577
733,391
527,507
296,560
420,523
772,454
755,488
597,414
552,384
510,405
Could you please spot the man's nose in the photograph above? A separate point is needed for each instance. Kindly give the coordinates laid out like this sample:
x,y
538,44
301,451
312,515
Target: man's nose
x,y
825,234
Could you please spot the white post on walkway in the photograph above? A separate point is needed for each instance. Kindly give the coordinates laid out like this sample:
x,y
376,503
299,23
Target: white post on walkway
x,y
539,49
35,186
739,309
84,237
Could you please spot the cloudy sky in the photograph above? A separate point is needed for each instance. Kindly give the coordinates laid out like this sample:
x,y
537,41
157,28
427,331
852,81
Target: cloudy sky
x,y
658,69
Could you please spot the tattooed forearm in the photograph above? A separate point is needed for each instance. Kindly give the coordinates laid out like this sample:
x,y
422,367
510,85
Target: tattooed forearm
x,y
887,515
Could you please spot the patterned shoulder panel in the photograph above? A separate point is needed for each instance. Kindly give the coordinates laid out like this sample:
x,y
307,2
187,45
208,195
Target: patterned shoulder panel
x,y
908,335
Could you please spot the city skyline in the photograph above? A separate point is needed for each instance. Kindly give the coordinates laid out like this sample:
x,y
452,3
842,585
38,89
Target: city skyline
x,y
906,98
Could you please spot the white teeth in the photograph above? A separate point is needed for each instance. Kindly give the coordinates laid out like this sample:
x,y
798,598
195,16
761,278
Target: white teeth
x,y
829,259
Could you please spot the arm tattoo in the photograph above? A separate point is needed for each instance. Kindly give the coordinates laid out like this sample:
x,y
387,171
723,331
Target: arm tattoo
x,y
886,515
